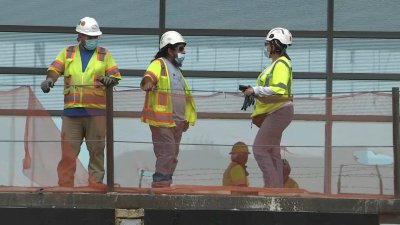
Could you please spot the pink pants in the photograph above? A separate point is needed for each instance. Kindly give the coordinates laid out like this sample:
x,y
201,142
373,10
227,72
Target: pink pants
x,y
266,147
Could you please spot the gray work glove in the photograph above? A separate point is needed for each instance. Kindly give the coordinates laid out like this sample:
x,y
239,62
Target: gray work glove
x,y
248,101
47,84
108,81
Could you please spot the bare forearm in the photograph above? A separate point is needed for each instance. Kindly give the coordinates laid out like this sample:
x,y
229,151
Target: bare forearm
x,y
53,75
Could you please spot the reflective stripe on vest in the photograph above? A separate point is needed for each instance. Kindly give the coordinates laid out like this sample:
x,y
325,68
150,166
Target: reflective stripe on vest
x,y
74,98
152,113
112,70
101,52
71,51
58,66
281,85
158,109
85,97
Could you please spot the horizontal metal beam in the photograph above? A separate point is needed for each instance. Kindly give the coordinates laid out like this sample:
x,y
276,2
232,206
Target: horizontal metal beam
x,y
224,74
71,30
209,115
202,32
366,34
366,76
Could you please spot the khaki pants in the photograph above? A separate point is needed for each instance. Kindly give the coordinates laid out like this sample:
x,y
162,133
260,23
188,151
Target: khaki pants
x,y
73,131
267,148
166,143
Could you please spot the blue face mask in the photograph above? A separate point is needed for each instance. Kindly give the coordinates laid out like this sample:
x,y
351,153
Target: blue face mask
x,y
91,44
179,58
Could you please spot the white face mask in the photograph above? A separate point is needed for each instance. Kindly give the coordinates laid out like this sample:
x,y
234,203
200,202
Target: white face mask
x,y
179,58
266,52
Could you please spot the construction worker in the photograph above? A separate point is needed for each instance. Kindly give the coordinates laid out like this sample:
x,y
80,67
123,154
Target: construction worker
x,y
236,173
87,70
288,182
169,107
273,110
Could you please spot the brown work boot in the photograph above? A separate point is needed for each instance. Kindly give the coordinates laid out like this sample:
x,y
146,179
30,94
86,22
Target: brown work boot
x,y
161,184
98,185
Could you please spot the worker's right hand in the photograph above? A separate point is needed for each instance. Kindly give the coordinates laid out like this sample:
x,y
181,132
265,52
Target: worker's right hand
x,y
47,84
148,86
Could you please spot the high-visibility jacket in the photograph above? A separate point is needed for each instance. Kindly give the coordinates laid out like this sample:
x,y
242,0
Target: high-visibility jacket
x,y
158,109
235,175
290,183
83,89
278,77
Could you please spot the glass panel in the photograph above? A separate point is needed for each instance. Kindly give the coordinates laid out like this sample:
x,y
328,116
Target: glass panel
x,y
366,55
127,13
136,51
204,152
363,97
366,15
364,85
303,90
253,15
246,54
39,50
364,160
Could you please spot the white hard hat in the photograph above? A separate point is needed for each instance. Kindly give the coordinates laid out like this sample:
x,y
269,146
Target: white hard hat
x,y
281,34
88,26
171,37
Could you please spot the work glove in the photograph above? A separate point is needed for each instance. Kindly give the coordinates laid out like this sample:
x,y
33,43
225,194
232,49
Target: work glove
x,y
108,81
47,84
248,101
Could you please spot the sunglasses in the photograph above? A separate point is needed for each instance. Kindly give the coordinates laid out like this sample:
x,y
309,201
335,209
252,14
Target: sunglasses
x,y
181,48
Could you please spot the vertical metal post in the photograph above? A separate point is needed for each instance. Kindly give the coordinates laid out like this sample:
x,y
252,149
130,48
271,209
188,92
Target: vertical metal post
x,y
110,139
328,105
396,141
162,17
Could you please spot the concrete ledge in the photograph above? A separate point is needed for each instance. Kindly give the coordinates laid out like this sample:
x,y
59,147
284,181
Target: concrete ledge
x,y
200,202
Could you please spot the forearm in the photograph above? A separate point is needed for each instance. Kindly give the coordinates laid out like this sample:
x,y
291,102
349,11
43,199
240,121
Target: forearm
x,y
53,75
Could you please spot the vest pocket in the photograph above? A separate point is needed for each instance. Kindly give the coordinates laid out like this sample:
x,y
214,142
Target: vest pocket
x,y
99,91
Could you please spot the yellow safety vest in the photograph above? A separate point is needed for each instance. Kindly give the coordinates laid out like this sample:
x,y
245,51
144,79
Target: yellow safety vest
x,y
234,174
158,109
83,89
278,77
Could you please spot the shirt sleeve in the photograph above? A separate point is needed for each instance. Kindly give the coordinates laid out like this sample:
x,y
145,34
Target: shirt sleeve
x,y
153,71
263,91
58,65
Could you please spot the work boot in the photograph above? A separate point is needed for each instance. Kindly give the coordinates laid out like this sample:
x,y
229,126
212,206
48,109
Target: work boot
x,y
98,185
161,184
161,180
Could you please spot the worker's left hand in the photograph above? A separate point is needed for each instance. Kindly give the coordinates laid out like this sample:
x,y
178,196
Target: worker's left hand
x,y
108,81
185,126
248,101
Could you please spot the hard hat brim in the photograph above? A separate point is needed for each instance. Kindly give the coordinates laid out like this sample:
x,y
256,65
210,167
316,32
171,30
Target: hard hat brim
x,y
96,33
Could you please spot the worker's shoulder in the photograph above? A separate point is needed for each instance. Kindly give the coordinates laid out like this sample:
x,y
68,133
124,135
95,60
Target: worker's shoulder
x,y
157,62
283,63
